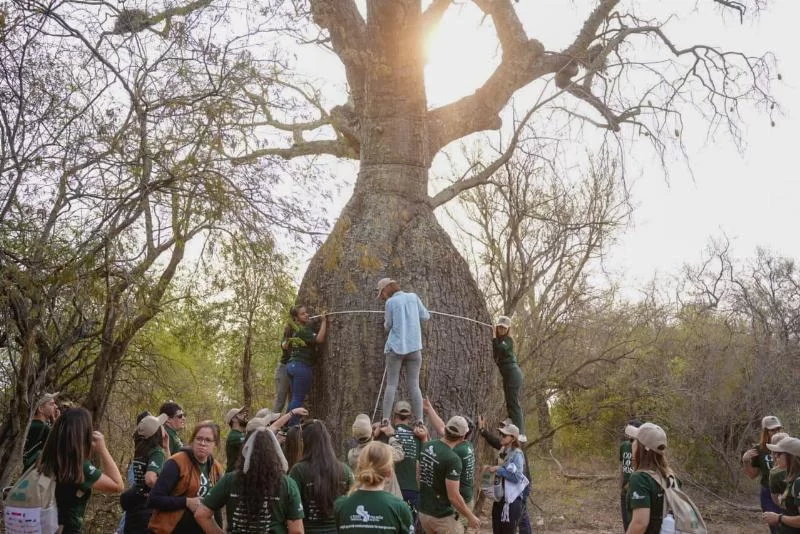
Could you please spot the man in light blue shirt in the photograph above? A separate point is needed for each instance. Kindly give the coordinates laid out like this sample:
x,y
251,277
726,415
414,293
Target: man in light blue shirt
x,y
403,316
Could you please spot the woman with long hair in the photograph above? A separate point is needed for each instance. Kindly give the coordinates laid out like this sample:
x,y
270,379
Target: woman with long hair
x,y
257,495
645,497
65,458
506,360
777,475
294,445
369,506
510,482
787,522
150,452
301,344
185,479
758,462
321,477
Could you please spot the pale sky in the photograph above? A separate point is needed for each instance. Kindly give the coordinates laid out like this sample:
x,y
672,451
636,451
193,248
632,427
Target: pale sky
x,y
748,196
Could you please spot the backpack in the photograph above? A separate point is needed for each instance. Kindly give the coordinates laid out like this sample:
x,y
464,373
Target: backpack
x,y
30,505
687,517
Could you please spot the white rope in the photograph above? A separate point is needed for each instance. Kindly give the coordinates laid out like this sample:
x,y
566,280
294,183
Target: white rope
x,y
344,312
378,400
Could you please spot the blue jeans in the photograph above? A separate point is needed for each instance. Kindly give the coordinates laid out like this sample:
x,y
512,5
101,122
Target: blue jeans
x,y
524,526
301,375
768,505
412,499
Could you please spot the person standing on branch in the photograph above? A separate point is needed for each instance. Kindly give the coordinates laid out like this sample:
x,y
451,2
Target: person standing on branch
x,y
758,462
506,360
46,413
403,316
302,345
282,381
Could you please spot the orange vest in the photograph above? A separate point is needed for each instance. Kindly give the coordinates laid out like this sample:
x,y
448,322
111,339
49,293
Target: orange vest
x,y
188,485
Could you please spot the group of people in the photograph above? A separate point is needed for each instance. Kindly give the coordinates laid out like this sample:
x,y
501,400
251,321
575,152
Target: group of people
x,y
645,474
281,478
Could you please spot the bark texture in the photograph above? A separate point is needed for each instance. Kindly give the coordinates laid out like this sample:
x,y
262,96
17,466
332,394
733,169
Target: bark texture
x,y
388,229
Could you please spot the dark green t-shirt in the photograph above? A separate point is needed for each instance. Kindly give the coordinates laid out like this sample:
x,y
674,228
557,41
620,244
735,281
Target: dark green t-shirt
x,y
302,345
626,460
71,499
791,500
645,492
437,464
315,520
274,515
406,469
466,452
233,448
175,443
764,462
777,480
153,463
364,512
34,443
503,351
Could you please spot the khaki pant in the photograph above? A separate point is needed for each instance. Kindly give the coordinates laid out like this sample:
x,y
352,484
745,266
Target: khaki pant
x,y
440,525
462,519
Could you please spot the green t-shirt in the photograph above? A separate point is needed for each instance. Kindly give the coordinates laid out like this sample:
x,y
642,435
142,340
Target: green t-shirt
x,y
71,499
369,511
437,464
777,480
626,460
233,448
302,344
175,443
466,452
153,463
34,443
645,492
503,351
791,500
406,469
315,520
287,506
764,462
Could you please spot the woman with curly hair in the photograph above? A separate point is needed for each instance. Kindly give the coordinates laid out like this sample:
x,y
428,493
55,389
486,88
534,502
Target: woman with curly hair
x,y
321,477
257,495
369,507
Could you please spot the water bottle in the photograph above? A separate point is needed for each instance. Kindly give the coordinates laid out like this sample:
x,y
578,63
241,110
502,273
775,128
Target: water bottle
x,y
668,525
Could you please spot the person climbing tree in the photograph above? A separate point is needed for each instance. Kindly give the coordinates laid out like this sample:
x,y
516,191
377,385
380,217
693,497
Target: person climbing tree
x,y
403,316
302,345
506,360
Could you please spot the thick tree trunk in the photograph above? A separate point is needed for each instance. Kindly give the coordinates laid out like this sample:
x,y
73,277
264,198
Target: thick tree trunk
x,y
388,229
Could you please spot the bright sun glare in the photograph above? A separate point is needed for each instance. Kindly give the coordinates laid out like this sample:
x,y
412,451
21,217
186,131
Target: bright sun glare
x,y
461,55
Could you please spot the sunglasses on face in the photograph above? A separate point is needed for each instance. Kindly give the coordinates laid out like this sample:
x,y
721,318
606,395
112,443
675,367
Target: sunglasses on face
x,y
180,416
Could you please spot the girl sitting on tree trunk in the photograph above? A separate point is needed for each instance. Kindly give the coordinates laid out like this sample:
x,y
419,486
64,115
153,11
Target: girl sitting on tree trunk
x,y
506,360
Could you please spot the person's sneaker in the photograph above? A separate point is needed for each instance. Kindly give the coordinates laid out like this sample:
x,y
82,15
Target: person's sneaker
x,y
384,422
507,422
522,438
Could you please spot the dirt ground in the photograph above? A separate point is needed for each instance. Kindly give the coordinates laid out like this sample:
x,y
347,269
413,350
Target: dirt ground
x,y
592,507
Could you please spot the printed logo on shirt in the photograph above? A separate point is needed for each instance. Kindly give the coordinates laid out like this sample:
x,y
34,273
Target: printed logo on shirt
x,y
203,485
153,464
363,515
636,496
92,469
454,473
430,451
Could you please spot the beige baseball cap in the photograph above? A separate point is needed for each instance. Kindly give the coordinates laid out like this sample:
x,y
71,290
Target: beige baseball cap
x,y
382,283
457,425
650,435
233,412
150,424
362,427
503,321
510,430
255,423
770,422
402,407
47,397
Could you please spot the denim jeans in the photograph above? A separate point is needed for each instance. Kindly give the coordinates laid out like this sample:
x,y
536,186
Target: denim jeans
x,y
768,505
411,362
301,375
282,388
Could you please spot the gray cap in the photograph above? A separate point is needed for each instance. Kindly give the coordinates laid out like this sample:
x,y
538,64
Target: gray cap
x,y
503,321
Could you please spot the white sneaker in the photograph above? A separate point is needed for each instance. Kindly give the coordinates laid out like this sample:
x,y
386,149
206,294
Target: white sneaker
x,y
522,438
507,421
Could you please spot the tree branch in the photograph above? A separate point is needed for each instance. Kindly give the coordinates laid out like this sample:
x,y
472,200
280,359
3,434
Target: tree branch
x,y
338,148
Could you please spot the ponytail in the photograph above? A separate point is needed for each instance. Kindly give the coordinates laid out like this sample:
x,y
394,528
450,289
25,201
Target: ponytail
x,y
374,465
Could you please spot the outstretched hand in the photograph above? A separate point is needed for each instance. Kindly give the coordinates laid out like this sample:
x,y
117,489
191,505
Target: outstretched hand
x,y
481,422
